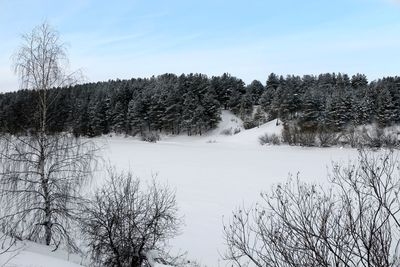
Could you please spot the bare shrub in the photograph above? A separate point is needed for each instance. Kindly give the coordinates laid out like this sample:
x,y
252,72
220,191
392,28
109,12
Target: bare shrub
x,y
376,137
151,137
354,222
267,139
125,222
306,138
326,138
390,140
294,135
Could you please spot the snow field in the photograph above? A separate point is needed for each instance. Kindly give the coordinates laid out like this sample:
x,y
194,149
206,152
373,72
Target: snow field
x,y
213,178
212,174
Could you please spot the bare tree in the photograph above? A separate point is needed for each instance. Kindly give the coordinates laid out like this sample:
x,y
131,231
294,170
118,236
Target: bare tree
x,y
41,64
42,173
40,185
353,223
125,224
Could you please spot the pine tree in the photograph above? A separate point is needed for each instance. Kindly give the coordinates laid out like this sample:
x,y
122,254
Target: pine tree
x,y
259,117
188,113
172,116
340,112
255,89
359,81
212,111
119,119
312,109
137,117
386,109
364,111
246,106
98,116
273,82
234,102
266,100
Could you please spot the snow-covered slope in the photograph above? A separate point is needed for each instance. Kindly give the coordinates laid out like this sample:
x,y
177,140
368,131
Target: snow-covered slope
x,y
229,122
29,254
230,130
251,136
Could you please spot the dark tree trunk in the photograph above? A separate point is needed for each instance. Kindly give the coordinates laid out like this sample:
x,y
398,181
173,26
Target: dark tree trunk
x,y
136,261
46,194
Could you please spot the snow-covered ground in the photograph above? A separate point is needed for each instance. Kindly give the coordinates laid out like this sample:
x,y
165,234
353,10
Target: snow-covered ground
x,y
212,174
215,173
29,254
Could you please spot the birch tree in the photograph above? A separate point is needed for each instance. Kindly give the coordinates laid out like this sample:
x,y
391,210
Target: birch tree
x,y
41,172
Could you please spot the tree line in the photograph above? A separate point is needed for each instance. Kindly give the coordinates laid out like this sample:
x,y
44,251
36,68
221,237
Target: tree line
x,y
332,101
188,103
192,103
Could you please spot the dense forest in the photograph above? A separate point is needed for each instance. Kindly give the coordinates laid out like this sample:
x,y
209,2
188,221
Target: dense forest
x,y
192,104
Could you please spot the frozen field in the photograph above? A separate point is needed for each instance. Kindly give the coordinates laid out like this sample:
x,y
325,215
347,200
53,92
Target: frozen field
x,y
212,175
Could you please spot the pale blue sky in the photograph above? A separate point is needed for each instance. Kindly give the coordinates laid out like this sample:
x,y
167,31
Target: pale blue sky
x,y
249,39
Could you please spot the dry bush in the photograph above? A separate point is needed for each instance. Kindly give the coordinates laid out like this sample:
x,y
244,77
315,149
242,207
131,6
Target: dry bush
x,y
326,138
151,137
126,222
268,139
354,222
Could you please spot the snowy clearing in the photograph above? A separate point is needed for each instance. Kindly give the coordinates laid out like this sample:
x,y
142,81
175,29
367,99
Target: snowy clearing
x,y
215,173
212,174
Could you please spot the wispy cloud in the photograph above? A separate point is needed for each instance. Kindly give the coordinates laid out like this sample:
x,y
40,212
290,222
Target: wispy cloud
x,y
396,2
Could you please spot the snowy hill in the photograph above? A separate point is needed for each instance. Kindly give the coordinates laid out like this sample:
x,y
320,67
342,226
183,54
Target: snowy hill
x,y
230,122
229,130
251,136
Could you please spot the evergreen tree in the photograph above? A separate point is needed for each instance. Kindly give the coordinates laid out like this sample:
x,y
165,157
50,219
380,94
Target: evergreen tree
x,y
255,90
235,101
386,109
188,113
98,111
119,119
211,111
259,117
246,106
273,82
359,81
138,117
312,109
